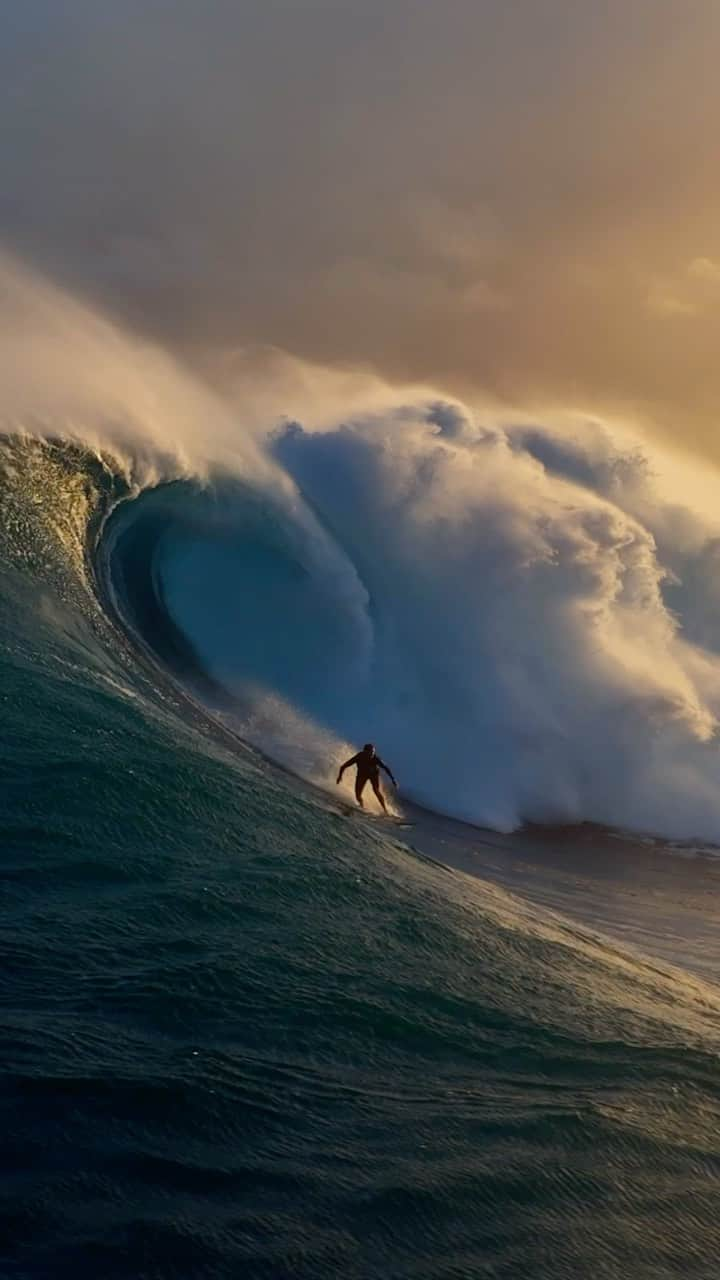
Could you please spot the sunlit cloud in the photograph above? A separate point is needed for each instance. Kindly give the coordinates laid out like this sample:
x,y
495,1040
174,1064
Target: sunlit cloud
x,y
664,302
443,193
705,269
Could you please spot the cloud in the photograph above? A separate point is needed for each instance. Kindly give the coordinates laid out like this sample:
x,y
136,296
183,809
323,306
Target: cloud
x,y
705,269
462,193
664,302
688,293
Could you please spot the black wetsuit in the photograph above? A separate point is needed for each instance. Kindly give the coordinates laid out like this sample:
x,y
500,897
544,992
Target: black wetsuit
x,y
368,770
367,766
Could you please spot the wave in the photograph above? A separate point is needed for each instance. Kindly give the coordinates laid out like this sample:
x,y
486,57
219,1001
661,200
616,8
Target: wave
x,y
506,635
521,613
238,989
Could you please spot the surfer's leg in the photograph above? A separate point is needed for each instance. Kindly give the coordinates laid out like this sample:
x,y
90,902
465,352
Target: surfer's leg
x,y
359,785
378,792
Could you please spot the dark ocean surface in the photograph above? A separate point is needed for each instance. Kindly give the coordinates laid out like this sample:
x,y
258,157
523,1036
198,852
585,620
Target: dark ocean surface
x,y
246,1035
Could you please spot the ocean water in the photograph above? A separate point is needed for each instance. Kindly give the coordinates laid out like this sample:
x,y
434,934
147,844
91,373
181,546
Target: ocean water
x,y
247,1032
246,1035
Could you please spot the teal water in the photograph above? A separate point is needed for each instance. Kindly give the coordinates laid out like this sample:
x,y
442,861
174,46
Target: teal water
x,y
244,1036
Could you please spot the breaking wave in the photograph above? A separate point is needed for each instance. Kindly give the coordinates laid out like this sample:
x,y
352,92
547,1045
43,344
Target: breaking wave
x,y
520,612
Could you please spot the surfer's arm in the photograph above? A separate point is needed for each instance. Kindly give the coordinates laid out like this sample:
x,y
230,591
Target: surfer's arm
x,y
346,765
388,771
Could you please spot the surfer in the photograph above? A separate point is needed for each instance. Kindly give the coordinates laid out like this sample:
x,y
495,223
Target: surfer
x,y
368,765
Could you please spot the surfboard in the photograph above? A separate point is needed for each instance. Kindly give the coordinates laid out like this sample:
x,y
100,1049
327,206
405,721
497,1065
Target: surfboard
x,y
354,811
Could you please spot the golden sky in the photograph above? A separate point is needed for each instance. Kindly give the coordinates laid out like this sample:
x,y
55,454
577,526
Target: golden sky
x,y
514,198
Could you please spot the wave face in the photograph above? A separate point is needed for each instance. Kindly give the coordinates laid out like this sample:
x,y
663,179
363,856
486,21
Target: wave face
x,y
243,1034
520,620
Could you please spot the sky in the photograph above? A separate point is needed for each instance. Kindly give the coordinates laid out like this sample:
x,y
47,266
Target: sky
x,y
516,200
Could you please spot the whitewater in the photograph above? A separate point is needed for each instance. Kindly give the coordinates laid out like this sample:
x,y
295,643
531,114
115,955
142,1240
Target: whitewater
x,y
244,1032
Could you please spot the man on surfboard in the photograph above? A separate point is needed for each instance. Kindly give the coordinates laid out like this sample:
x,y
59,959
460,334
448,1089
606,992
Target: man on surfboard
x,y
368,765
